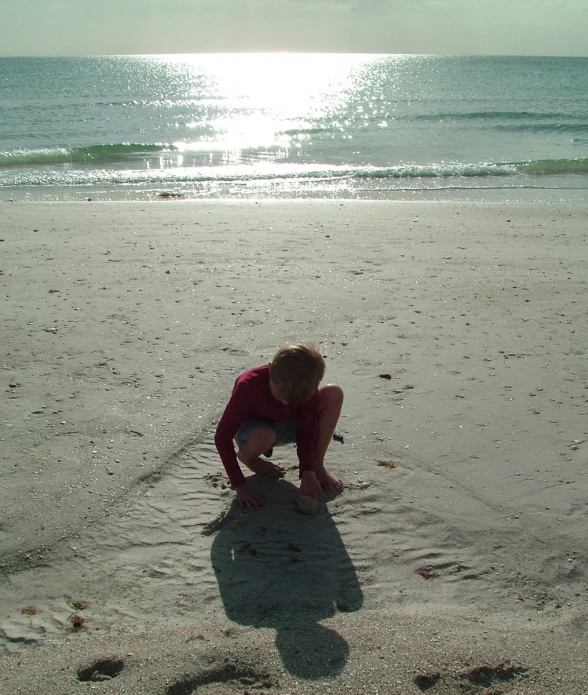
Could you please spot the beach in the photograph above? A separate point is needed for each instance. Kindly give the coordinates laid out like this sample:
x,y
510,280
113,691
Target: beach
x,y
454,561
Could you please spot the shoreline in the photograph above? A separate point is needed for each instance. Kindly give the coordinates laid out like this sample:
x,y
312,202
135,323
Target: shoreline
x,y
168,193
456,331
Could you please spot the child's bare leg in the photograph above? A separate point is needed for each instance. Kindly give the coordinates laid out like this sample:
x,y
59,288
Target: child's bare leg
x,y
329,409
260,439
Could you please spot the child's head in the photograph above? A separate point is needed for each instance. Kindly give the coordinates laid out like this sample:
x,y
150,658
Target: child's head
x,y
296,371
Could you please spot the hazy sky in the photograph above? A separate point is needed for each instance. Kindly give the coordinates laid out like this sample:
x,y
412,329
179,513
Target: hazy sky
x,y
65,27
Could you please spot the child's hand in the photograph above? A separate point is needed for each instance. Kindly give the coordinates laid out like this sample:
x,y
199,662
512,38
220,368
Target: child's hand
x,y
309,485
249,498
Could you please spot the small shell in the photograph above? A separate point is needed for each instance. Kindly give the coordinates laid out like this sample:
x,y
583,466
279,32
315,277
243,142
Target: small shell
x,y
307,504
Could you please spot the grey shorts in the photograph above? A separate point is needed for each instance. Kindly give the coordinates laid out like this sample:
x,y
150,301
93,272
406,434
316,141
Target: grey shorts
x,y
285,431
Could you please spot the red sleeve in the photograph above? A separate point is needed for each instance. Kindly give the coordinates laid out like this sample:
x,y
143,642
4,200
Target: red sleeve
x,y
236,412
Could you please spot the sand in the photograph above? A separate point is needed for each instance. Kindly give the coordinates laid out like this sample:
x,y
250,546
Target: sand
x,y
455,559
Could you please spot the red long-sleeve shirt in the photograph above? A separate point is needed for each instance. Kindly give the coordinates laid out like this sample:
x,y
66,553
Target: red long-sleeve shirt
x,y
252,399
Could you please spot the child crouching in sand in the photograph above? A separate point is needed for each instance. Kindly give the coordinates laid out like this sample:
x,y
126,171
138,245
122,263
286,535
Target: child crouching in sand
x,y
275,404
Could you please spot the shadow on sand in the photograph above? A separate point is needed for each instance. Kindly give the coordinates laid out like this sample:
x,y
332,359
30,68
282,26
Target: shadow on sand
x,y
282,569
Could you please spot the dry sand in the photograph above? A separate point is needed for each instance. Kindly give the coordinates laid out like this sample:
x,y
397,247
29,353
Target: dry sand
x,y
455,559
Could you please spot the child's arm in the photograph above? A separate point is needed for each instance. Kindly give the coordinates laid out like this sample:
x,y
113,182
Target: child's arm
x,y
231,420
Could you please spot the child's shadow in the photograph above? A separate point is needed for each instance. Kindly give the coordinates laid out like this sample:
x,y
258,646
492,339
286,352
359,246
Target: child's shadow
x,y
279,568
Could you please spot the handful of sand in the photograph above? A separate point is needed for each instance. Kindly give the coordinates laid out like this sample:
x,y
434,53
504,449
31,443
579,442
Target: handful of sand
x,y
307,504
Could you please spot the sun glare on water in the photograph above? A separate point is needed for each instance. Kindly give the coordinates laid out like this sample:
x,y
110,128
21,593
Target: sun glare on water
x,y
262,101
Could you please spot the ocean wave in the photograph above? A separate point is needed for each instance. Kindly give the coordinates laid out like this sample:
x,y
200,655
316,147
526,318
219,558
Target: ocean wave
x,y
544,127
310,130
282,172
515,121
80,155
491,115
552,167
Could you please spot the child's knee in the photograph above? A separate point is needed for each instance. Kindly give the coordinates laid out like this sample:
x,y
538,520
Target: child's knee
x,y
332,395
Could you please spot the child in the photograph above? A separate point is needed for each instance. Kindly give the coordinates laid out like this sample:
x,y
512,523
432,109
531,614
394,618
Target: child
x,y
276,404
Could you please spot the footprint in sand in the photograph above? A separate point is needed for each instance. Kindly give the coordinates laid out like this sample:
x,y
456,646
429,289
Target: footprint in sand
x,y
101,670
232,676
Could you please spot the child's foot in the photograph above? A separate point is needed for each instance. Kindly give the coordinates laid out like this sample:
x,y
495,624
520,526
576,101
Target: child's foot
x,y
329,481
262,467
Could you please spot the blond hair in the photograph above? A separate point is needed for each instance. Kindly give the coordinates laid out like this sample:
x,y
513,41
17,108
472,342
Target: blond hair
x,y
297,371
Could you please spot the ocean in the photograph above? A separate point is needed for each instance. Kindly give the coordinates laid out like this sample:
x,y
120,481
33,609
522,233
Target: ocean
x,y
293,126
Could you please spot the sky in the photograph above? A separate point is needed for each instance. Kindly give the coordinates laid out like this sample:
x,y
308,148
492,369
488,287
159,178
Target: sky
x,y
490,27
